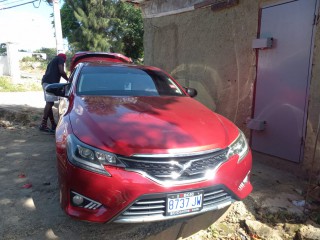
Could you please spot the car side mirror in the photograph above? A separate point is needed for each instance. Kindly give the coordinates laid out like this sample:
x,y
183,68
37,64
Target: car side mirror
x,y
57,89
192,92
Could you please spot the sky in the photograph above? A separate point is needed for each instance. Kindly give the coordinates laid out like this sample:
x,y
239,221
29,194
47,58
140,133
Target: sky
x,y
26,25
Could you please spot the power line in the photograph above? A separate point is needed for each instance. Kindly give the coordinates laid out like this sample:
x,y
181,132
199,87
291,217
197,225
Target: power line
x,y
10,3
18,5
35,5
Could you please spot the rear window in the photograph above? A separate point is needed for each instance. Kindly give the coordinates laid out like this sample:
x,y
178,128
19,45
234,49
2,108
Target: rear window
x,y
125,81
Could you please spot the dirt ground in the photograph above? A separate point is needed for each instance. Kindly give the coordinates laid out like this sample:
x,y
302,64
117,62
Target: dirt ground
x,y
29,197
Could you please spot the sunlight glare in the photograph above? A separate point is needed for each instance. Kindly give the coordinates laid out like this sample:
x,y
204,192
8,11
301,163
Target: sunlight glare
x,y
29,204
50,234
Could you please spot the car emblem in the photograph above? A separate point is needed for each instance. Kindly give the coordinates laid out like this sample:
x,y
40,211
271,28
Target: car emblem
x,y
184,169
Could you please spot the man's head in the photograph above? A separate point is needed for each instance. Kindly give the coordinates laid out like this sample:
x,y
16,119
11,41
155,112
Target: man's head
x,y
63,56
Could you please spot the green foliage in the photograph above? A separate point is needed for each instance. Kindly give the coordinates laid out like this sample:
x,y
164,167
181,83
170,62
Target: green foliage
x,y
84,24
103,25
29,59
3,48
6,85
51,53
131,30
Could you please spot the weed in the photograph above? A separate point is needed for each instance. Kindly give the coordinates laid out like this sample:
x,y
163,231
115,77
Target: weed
x,y
6,85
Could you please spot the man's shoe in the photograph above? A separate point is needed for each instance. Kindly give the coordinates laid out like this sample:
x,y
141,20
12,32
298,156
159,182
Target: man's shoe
x,y
45,129
53,127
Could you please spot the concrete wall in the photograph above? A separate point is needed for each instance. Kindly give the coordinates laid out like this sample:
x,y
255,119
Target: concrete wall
x,y
4,63
156,8
13,61
4,70
313,121
212,52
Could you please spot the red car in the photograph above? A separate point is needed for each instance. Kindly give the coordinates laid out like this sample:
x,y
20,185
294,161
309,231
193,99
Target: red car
x,y
134,146
87,56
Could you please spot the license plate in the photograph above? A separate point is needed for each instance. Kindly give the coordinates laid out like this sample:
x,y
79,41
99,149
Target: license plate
x,y
182,203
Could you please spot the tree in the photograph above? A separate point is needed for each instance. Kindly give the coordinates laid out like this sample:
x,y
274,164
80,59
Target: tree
x,y
131,31
87,24
3,48
50,52
103,25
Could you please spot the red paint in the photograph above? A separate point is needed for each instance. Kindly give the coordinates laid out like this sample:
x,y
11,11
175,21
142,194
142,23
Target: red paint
x,y
88,56
141,125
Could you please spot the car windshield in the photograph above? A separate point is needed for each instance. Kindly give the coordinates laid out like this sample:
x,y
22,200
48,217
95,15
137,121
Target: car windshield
x,y
125,81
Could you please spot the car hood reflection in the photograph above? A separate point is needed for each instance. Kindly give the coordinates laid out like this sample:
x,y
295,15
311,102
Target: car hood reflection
x,y
147,125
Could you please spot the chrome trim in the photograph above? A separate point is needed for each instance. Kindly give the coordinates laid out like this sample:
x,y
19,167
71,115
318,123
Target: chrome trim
x,y
154,205
143,213
180,182
186,154
175,168
123,219
150,202
143,207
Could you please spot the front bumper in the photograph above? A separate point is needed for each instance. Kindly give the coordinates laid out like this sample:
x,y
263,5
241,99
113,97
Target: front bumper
x,y
150,208
129,197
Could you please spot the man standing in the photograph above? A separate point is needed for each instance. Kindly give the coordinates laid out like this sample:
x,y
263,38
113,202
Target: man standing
x,y
55,70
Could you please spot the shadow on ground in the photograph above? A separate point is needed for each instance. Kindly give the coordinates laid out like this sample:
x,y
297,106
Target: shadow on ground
x,y
20,116
29,199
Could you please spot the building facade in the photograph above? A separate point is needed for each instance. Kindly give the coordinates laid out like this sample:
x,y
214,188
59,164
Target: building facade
x,y
255,62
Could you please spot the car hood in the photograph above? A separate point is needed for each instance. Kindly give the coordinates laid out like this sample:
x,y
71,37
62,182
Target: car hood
x,y
149,125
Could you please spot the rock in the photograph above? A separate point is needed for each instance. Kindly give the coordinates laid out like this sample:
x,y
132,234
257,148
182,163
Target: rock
x,y
308,232
291,228
299,191
261,230
226,228
240,209
243,235
280,201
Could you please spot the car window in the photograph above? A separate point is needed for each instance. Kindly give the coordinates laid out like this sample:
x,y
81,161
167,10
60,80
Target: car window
x,y
125,81
73,75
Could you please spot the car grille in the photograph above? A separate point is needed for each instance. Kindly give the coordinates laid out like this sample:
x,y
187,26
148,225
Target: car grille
x,y
153,208
176,169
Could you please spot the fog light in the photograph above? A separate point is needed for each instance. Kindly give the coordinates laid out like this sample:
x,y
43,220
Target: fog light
x,y
77,200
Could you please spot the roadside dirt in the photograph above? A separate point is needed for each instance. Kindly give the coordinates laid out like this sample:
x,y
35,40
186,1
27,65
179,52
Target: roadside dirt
x,y
29,198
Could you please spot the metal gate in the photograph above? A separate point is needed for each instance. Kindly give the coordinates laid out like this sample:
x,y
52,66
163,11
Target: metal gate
x,y
284,58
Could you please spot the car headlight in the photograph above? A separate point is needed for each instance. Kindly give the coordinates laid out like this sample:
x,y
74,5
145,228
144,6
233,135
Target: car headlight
x,y
238,147
90,158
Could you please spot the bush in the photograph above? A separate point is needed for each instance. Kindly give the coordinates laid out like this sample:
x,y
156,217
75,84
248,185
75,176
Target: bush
x,y
6,85
29,59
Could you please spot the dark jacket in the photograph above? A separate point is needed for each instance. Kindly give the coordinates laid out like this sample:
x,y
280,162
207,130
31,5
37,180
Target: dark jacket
x,y
52,74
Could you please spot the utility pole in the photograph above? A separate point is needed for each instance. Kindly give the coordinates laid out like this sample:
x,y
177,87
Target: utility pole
x,y
57,25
